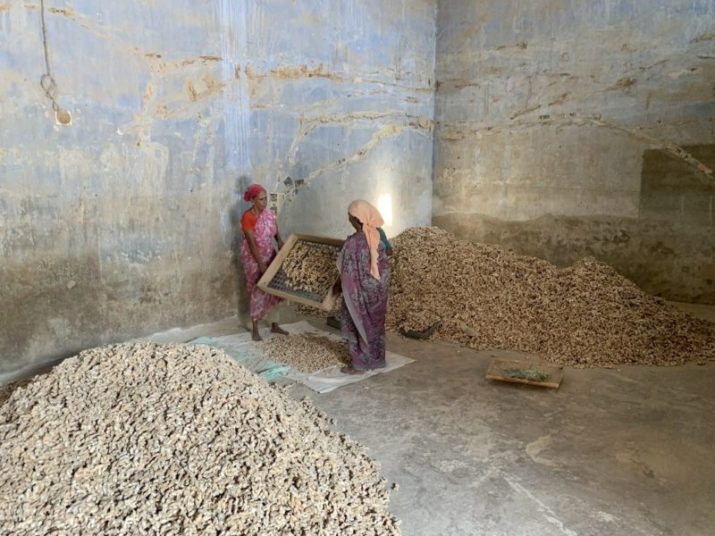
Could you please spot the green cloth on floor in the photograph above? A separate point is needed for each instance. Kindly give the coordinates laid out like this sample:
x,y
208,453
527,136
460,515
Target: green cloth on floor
x,y
267,369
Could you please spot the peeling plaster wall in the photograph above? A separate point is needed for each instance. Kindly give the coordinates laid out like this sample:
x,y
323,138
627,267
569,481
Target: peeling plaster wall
x,y
545,114
122,223
345,104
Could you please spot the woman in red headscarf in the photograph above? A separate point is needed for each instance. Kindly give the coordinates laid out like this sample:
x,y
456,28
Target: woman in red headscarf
x,y
364,278
260,231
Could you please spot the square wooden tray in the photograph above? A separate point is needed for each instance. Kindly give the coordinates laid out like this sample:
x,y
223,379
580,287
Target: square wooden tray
x,y
270,281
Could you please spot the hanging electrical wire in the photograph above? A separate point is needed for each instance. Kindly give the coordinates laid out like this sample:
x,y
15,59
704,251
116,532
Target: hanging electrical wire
x,y
47,81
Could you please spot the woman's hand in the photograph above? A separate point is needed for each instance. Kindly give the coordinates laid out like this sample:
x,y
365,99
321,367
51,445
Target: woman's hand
x,y
262,267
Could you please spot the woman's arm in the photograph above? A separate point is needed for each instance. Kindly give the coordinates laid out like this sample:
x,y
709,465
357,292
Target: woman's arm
x,y
279,240
254,250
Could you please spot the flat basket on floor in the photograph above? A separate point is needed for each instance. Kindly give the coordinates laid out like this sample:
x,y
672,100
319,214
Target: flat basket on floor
x,y
526,371
275,281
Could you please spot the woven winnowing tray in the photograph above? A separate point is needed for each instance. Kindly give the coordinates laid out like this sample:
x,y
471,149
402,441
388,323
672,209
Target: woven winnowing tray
x,y
275,280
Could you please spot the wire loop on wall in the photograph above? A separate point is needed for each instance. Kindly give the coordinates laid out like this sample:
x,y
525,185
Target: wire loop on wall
x,y
47,81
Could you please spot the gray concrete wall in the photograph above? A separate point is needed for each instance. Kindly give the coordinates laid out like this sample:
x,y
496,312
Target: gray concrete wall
x,y
345,103
550,117
122,223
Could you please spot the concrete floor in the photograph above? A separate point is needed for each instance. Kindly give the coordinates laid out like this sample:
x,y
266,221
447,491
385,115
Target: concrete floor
x,y
622,451
625,451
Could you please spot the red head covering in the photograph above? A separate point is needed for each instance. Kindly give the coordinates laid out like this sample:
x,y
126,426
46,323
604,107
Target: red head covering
x,y
252,191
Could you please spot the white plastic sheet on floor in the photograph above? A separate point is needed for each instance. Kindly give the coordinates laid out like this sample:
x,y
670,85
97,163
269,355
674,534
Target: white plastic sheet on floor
x,y
243,350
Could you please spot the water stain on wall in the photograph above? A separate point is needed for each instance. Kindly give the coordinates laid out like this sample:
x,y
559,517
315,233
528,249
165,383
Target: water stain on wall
x,y
293,72
671,192
206,87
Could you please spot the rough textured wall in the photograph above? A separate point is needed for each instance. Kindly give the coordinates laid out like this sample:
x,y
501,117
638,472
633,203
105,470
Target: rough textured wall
x,y
122,223
344,102
548,117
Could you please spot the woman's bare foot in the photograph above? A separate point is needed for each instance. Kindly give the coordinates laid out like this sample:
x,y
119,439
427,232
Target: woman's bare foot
x,y
350,370
275,328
